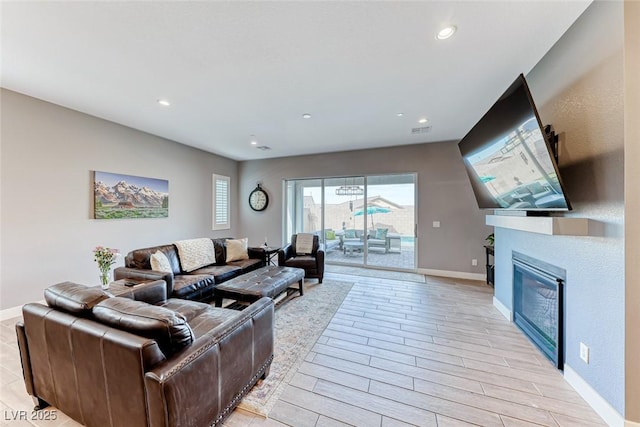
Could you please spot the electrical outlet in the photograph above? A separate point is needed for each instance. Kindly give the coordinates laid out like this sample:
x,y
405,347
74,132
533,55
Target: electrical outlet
x,y
584,353
474,262
436,224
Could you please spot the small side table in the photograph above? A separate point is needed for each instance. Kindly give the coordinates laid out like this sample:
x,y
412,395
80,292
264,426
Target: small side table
x,y
489,265
270,255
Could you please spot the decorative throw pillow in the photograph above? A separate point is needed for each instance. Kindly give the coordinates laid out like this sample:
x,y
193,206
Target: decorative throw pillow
x,y
381,233
350,234
237,249
330,235
160,262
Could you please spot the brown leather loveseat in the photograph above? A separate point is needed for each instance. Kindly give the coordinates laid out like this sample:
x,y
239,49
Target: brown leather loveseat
x,y
115,361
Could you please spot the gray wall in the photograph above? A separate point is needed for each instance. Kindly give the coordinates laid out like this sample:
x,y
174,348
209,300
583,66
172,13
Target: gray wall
x,y
444,194
578,87
48,153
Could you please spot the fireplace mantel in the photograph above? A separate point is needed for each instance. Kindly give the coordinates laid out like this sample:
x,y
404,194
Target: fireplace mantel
x,y
550,225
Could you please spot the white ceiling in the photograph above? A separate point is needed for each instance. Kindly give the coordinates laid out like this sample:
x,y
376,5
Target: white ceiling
x,y
236,69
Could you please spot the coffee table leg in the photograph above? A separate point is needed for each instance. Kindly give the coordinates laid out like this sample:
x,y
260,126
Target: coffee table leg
x,y
301,290
218,301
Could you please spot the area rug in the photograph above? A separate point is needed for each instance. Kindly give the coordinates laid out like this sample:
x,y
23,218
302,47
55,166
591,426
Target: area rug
x,y
298,324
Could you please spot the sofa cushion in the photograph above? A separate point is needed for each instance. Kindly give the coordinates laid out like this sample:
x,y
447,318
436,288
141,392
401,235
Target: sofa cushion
x,y
381,233
302,261
168,328
141,258
350,234
220,250
329,235
74,298
237,249
201,317
160,262
219,273
189,309
185,284
247,265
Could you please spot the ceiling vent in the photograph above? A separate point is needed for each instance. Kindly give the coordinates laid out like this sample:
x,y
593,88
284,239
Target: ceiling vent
x,y
424,129
263,147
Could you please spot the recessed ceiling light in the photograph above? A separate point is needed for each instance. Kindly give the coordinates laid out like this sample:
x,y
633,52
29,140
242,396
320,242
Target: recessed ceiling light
x,y
399,114
423,120
446,32
254,141
164,102
306,116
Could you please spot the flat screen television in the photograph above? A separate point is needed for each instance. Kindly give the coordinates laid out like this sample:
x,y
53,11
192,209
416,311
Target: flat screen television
x,y
508,157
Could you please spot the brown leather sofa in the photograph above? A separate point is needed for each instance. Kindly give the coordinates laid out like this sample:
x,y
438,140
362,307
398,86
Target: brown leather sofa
x,y
313,263
121,362
196,285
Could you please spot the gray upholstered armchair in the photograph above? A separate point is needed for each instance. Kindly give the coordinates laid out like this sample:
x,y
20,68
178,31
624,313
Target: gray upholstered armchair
x,y
312,263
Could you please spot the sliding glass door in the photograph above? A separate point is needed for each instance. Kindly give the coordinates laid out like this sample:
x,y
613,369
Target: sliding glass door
x,y
344,229
391,212
360,220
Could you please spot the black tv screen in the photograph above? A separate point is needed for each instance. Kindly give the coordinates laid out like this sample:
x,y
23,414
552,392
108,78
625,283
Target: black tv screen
x,y
508,157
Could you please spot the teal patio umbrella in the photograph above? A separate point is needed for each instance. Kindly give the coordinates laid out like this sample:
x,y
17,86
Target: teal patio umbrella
x,y
372,210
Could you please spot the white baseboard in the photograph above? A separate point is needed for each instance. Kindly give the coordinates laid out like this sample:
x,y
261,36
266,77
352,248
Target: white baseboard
x,y
597,402
502,309
452,274
10,313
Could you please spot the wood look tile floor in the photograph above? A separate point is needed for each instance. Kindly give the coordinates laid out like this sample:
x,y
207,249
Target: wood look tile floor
x,y
396,353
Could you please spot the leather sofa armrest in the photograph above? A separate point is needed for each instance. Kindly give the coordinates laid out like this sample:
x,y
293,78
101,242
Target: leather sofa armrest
x,y
214,372
154,292
284,254
257,252
25,359
140,274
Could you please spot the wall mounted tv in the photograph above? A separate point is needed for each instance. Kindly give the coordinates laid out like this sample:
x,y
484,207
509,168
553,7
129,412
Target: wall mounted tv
x,y
508,157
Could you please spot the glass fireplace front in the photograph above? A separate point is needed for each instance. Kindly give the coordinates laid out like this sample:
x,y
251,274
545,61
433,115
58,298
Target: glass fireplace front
x,y
537,303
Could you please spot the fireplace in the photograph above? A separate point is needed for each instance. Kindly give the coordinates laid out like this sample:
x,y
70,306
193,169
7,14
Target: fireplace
x,y
538,289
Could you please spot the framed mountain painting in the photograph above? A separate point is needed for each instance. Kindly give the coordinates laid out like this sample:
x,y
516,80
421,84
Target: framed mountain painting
x,y
119,196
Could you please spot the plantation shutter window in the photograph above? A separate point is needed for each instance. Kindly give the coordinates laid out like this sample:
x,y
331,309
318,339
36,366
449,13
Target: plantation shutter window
x,y
221,202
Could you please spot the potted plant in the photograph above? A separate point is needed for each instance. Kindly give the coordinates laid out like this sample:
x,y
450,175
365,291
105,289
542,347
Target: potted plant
x,y
490,239
105,257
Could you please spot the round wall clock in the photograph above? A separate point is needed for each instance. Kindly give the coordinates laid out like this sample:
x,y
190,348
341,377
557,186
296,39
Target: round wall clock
x,y
258,199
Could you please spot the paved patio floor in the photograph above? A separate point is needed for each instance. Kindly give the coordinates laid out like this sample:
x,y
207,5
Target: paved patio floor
x,y
405,259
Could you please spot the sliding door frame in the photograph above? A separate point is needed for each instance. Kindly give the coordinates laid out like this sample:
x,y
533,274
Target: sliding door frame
x,y
289,227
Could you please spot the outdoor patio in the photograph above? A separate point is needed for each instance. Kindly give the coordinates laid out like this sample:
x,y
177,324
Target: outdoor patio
x,y
405,259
